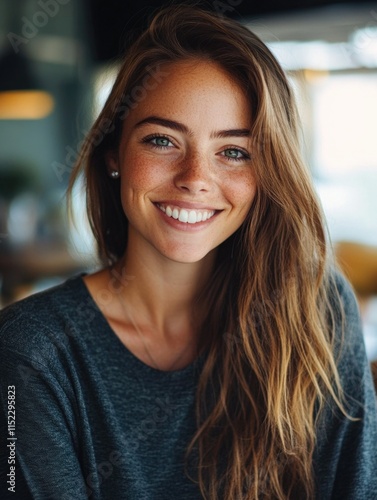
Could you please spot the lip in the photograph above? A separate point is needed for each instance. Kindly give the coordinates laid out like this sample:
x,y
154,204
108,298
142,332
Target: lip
x,y
187,204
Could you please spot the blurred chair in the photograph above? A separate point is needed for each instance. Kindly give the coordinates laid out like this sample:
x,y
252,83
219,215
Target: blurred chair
x,y
359,264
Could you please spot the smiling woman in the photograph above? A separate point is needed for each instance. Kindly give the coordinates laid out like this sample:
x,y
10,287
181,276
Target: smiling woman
x,y
217,354
184,160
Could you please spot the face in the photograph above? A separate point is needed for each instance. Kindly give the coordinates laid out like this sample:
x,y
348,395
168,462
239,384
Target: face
x,y
185,164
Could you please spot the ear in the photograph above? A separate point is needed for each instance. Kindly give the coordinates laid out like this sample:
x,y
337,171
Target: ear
x,y
112,163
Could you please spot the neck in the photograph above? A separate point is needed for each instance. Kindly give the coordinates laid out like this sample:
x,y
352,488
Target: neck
x,y
162,293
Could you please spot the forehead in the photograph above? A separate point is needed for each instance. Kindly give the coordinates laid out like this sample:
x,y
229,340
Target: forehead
x,y
193,90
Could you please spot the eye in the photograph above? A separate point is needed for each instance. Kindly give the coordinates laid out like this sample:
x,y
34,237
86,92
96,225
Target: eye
x,y
158,141
161,141
235,154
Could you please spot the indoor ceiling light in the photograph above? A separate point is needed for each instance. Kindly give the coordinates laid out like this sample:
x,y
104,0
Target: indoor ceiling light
x,y
21,98
25,104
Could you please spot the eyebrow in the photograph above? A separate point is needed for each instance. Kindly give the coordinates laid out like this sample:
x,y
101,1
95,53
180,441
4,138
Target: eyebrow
x,y
180,127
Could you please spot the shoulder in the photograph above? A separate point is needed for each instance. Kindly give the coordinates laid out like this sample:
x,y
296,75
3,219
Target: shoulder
x,y
345,459
349,342
350,355
340,288
345,315
45,316
353,366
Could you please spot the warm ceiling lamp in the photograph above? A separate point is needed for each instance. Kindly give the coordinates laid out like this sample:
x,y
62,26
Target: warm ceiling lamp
x,y
20,96
25,104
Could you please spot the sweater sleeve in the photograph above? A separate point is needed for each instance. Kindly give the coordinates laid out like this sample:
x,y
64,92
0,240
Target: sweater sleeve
x,y
43,440
346,455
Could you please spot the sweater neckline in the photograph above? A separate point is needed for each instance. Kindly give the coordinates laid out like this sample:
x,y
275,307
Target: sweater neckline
x,y
114,342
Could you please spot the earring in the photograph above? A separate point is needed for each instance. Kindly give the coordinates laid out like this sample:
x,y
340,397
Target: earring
x,y
114,174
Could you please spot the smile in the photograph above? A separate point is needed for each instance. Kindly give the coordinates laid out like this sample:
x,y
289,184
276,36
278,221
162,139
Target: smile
x,y
188,216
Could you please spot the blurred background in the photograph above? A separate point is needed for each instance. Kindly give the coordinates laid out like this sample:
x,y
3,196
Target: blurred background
x,y
58,59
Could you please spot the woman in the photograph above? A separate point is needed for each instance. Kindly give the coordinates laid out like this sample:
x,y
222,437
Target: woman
x,y
217,354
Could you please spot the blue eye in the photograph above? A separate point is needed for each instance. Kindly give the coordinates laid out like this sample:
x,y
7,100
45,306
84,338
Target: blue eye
x,y
161,141
158,141
235,154
232,153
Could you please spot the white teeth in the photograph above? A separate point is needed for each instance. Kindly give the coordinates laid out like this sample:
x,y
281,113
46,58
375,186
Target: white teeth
x,y
183,216
190,217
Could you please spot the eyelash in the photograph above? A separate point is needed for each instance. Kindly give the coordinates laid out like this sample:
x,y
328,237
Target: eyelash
x,y
245,156
148,140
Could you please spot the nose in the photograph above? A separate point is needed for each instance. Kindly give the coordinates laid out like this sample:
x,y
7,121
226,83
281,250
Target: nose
x,y
194,174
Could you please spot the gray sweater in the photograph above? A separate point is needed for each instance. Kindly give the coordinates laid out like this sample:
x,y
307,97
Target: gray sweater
x,y
92,420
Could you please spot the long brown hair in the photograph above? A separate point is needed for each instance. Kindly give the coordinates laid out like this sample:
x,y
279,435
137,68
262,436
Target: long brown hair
x,y
270,327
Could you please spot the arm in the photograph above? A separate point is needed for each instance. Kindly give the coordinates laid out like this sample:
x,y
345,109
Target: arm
x,y
47,446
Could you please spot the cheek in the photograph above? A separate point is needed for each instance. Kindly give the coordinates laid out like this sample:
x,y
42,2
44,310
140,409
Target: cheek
x,y
140,173
241,191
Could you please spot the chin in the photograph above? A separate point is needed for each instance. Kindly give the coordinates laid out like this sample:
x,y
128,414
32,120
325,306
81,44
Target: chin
x,y
188,257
